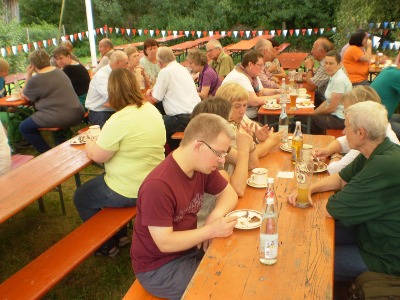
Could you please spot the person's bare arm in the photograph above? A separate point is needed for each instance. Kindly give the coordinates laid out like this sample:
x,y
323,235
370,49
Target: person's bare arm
x,y
368,52
325,109
274,138
309,64
96,153
205,90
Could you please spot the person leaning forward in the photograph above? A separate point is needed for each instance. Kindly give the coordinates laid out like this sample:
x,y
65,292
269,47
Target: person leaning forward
x,y
165,240
221,62
366,206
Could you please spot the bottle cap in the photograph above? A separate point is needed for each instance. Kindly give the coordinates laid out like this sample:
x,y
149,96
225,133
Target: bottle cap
x,y
298,123
270,200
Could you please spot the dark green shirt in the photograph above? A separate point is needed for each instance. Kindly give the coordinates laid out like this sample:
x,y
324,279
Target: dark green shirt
x,y
370,202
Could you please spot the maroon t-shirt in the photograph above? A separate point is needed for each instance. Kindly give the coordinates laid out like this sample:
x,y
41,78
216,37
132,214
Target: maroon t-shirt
x,y
168,197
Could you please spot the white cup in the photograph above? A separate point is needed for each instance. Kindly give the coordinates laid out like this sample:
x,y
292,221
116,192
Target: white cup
x,y
289,142
302,92
259,176
94,132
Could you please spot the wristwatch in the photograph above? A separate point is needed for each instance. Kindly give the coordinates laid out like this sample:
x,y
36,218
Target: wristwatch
x,y
308,70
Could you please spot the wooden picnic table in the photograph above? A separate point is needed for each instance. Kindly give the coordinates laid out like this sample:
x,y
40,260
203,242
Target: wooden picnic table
x,y
230,269
169,38
27,183
11,78
122,47
292,60
246,45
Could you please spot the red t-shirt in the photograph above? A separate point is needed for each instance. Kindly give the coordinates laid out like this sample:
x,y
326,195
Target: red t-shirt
x,y
168,197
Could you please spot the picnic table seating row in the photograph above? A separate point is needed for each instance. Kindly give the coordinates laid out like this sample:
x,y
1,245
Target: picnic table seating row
x,y
35,279
136,291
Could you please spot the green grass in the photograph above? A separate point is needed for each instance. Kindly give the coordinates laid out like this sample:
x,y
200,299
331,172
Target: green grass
x,y
29,233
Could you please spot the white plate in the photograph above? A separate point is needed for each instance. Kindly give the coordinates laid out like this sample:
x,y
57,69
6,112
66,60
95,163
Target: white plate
x,y
79,140
301,105
12,99
320,170
245,222
272,107
284,147
255,185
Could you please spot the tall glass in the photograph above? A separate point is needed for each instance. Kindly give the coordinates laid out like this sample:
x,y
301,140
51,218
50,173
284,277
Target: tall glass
x,y
304,172
293,96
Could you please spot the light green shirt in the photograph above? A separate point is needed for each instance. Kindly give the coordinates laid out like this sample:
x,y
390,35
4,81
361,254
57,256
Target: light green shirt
x,y
137,136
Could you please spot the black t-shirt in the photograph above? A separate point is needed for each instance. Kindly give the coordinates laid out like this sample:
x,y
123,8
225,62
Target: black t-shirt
x,y
79,77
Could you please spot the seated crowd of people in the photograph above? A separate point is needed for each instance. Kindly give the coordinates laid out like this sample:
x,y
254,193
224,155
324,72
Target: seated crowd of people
x,y
182,199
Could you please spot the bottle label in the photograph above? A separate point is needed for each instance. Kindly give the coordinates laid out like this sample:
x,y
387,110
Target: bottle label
x,y
271,246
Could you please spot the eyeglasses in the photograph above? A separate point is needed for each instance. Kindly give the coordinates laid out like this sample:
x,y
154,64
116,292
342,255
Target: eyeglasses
x,y
220,155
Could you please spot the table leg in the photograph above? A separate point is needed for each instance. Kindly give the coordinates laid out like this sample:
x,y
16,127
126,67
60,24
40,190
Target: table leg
x,y
308,124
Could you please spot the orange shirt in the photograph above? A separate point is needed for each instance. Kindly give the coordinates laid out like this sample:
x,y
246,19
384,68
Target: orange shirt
x,y
356,70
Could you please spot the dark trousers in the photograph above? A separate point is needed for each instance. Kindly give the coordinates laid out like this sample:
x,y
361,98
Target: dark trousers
x,y
174,124
99,117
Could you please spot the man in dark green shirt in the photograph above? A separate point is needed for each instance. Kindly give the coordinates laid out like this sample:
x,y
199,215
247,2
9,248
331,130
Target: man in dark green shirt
x,y
367,205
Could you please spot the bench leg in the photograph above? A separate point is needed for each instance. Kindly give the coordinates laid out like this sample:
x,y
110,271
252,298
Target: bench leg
x,y
41,205
61,199
77,177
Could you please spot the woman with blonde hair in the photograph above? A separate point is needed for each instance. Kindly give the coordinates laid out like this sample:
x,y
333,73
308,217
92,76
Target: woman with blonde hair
x,y
341,145
129,148
134,66
239,97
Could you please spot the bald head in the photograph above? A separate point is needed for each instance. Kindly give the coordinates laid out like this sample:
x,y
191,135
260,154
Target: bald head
x,y
105,45
118,59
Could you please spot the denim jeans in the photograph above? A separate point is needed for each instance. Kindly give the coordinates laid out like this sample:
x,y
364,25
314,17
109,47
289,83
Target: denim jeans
x,y
99,117
175,124
348,261
364,82
95,194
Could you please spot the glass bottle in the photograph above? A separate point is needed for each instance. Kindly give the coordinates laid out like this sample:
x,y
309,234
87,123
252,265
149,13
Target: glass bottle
x,y
269,192
269,234
16,85
297,142
283,122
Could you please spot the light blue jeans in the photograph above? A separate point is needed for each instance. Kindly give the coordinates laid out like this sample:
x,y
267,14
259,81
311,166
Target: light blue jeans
x,y
348,261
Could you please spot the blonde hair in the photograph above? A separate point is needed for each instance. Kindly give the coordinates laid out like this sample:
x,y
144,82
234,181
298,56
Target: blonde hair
x,y
232,92
130,50
360,93
4,65
206,127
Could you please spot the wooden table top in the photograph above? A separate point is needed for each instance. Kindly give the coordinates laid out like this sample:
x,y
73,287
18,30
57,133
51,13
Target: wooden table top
x,y
292,60
169,38
5,103
298,112
245,45
25,184
231,268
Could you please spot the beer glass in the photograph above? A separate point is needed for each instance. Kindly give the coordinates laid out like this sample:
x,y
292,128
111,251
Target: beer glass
x,y
304,172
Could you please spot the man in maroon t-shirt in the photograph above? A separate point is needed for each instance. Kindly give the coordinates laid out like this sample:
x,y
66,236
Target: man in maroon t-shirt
x,y
164,248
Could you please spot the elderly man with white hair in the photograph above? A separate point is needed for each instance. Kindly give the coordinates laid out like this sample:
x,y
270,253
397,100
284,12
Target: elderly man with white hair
x,y
221,62
177,91
265,48
366,206
97,96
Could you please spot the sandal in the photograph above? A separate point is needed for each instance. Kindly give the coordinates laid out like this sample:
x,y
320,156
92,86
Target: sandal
x,y
105,252
123,241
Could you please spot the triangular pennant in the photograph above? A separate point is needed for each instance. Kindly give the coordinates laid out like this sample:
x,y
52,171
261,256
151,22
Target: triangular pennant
x,y
187,33
14,50
223,33
9,50
175,32
385,31
71,37
3,52
241,32
123,30
45,43
397,45
266,32
297,31
151,32
217,32
235,33
272,32
110,29
54,41
35,45
204,33
198,34
229,33
378,25
211,33
157,32
260,33
169,32
75,36
391,46
140,31
19,48
284,32
102,31
117,30
80,36
128,31
192,32
315,30
145,31
392,25
134,31
25,47
254,32
180,32
40,44
87,33
303,31
63,38
371,25
291,32
163,33
247,33
309,31
375,41
385,44
321,30
29,46
279,31
385,24
334,29
49,42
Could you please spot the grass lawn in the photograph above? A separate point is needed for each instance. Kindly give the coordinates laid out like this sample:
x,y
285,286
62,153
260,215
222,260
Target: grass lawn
x,y
30,233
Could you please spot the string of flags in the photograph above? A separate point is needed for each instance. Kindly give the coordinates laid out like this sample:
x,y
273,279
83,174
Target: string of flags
x,y
384,28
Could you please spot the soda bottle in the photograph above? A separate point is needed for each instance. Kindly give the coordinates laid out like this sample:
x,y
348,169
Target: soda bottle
x,y
269,234
297,142
283,122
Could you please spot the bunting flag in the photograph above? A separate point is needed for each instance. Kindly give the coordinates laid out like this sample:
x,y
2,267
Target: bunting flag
x,y
198,34
297,32
54,41
163,33
151,32
45,43
210,33
309,31
35,45
260,33
14,50
80,36
291,32
71,38
140,32
63,39
175,32
128,31
145,31
321,31
116,30
284,32
272,32
102,31
157,32
3,52
235,33
247,33
187,33
25,47
123,30
375,41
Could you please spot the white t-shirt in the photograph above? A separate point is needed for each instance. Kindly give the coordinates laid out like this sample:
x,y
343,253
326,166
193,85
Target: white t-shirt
x,y
176,89
5,154
97,95
339,83
351,154
244,81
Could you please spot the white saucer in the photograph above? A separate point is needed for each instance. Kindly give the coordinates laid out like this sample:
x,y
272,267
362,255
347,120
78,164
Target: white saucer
x,y
247,222
255,185
11,99
320,170
79,140
284,147
272,107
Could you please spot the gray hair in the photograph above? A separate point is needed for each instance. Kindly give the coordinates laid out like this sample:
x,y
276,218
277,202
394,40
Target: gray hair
x,y
371,116
214,43
165,55
117,56
263,44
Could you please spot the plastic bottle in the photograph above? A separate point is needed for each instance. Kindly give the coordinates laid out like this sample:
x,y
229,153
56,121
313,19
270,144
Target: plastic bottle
x,y
283,122
297,142
269,235
16,85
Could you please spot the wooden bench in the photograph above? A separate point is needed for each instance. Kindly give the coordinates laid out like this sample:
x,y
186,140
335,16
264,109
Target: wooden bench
x,y
335,132
19,159
35,279
136,291
177,135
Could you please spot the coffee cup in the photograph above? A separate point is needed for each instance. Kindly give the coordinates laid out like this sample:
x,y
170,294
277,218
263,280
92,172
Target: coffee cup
x,y
302,92
94,132
259,176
